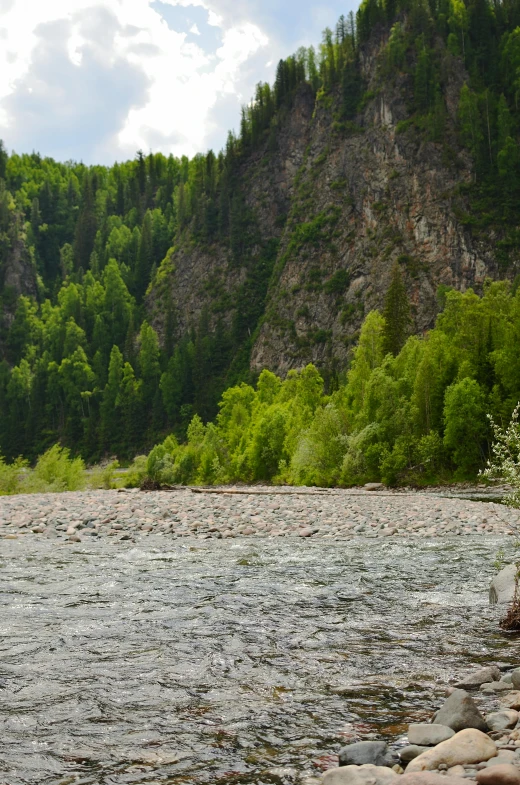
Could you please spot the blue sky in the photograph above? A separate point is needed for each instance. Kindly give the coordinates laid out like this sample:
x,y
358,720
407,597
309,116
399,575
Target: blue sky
x,y
95,80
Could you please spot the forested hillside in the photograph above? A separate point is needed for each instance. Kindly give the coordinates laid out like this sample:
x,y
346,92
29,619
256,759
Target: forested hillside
x,y
133,296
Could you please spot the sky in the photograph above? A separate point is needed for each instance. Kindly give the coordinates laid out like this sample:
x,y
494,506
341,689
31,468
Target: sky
x,y
97,80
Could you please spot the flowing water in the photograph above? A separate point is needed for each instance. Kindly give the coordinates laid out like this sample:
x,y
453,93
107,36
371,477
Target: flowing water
x,y
222,661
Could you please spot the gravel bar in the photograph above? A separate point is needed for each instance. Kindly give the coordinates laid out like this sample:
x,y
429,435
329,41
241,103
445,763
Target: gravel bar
x,y
257,511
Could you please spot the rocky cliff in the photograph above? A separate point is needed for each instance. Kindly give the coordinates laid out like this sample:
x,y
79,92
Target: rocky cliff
x,y
343,201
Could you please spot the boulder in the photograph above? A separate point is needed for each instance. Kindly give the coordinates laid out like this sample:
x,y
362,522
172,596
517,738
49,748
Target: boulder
x,y
503,585
457,771
496,686
374,486
429,778
505,774
502,720
475,680
359,775
511,700
411,751
515,678
467,746
429,735
504,756
459,711
362,752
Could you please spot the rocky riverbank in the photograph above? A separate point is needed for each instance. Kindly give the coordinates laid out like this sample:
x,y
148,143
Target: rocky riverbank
x,y
461,744
262,512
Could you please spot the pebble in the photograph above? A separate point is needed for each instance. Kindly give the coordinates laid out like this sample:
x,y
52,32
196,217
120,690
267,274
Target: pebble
x,y
259,511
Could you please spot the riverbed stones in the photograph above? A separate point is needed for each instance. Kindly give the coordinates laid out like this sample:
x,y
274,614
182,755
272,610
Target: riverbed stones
x,y
505,774
366,774
476,679
515,678
252,512
502,720
467,746
429,735
459,712
364,752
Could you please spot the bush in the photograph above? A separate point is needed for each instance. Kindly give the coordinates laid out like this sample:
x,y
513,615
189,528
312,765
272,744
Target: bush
x,y
505,457
11,476
338,283
56,471
136,472
103,476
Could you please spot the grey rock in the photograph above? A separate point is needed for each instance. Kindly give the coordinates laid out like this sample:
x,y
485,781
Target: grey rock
x,y
507,678
501,720
496,686
459,711
476,679
503,585
515,678
373,486
429,735
361,752
411,751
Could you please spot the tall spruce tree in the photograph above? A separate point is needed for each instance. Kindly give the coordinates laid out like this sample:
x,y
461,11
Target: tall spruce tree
x,y
396,313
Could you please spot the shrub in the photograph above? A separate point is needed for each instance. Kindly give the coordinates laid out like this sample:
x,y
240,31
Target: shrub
x,y
339,282
136,472
103,476
56,471
11,476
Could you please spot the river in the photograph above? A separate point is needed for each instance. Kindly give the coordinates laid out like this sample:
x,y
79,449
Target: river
x,y
222,661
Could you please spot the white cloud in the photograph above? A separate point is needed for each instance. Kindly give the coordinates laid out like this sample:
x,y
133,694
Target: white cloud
x,y
171,84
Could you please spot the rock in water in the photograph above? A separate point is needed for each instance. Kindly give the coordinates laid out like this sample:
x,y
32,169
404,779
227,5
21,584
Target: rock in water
x,y
363,752
515,678
503,585
502,720
429,735
366,774
475,680
459,712
505,774
467,746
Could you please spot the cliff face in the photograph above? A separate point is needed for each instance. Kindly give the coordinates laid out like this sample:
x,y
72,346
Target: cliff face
x,y
17,270
345,201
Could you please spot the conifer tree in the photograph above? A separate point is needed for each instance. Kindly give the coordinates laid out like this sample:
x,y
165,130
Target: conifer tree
x,y
397,313
145,260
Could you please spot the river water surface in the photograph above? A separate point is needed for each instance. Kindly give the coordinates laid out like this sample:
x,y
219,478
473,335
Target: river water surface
x,y
224,660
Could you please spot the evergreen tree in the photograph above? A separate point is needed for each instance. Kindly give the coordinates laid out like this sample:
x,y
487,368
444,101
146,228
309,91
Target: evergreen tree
x,y
396,313
145,259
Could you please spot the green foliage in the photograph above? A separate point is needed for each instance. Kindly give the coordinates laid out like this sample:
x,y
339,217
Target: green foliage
x,y
338,283
504,462
56,471
416,417
104,475
396,313
12,476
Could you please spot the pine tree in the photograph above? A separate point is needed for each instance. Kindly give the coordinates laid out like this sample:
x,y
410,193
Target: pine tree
x,y
145,259
397,313
85,228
